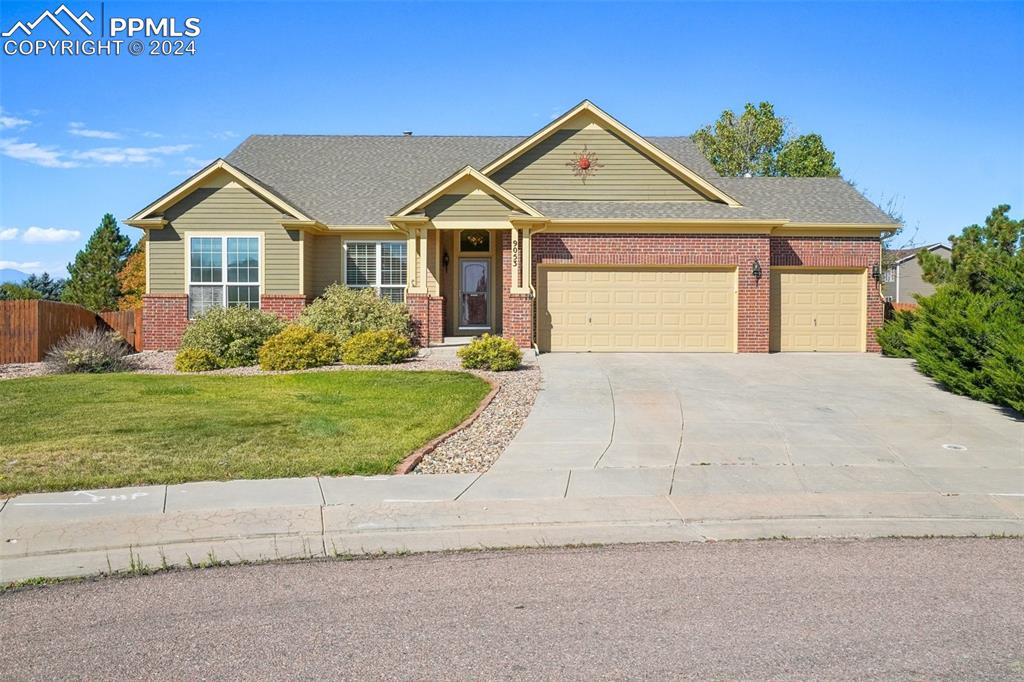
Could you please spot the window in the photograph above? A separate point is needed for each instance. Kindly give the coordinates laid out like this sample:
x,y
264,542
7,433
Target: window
x,y
376,265
890,275
475,240
223,271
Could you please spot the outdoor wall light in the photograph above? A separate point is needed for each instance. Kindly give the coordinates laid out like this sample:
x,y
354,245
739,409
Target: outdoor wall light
x,y
444,261
756,271
875,272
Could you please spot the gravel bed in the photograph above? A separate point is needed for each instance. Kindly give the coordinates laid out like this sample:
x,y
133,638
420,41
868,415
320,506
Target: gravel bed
x,y
472,450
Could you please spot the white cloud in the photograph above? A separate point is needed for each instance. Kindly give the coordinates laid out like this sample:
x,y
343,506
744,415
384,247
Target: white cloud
x,y
79,129
35,235
52,157
7,122
8,234
30,152
24,267
129,155
224,135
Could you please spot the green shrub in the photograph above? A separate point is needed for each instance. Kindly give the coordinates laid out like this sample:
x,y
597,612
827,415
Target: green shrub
x,y
232,335
195,360
952,337
88,350
298,347
377,348
492,353
893,335
346,312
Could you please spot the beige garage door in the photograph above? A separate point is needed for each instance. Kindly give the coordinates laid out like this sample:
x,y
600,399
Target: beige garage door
x,y
818,310
637,309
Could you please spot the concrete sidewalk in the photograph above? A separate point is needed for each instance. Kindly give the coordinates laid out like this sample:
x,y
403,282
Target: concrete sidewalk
x,y
83,533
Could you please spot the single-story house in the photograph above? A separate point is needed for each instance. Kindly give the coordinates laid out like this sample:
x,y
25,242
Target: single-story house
x,y
584,236
903,280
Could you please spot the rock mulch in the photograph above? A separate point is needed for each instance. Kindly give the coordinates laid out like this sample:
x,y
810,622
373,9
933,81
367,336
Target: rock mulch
x,y
471,450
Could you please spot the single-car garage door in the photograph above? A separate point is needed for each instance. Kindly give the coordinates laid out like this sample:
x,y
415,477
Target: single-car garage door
x,y
598,308
818,310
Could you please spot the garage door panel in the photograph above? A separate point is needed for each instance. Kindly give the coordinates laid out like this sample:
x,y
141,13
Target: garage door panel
x,y
814,310
637,309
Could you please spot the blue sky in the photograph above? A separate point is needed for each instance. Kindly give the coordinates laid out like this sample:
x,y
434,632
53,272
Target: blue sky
x,y
921,102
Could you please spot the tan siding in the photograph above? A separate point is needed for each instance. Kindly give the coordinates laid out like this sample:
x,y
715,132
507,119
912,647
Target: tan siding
x,y
224,210
475,205
308,246
623,172
326,263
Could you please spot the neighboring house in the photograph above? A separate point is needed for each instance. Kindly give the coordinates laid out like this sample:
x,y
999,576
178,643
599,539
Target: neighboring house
x,y
904,278
582,237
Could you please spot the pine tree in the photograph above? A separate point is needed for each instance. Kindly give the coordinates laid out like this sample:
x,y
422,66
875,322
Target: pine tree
x,y
93,283
49,288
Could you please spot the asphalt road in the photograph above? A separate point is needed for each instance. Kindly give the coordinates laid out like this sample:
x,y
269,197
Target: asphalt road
x,y
892,609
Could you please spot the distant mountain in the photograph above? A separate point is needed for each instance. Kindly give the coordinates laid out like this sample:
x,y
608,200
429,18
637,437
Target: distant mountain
x,y
15,276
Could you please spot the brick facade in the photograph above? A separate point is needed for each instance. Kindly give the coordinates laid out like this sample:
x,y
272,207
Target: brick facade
x,y
676,249
740,250
838,252
516,309
164,318
286,306
427,313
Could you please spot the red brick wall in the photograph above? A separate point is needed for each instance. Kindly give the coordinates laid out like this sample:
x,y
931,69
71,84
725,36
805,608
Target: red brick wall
x,y
164,318
516,309
675,249
286,306
841,252
427,313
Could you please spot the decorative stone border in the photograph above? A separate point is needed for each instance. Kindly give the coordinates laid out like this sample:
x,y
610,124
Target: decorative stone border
x,y
407,465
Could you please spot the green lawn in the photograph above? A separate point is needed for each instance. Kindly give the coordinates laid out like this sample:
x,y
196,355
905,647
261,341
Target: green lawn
x,y
94,431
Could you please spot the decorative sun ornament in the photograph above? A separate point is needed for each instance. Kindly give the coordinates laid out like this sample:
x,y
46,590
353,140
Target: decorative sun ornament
x,y
584,163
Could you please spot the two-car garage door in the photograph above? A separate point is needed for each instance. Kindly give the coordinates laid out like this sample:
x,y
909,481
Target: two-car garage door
x,y
597,308
666,309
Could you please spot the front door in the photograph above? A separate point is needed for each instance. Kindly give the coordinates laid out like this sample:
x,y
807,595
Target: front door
x,y
474,293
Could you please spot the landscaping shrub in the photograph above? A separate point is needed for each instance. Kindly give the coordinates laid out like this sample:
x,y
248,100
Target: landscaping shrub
x,y
892,336
195,360
232,335
969,335
492,353
385,347
346,312
298,347
89,350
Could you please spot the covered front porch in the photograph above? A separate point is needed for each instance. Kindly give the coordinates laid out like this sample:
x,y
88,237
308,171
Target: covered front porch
x,y
464,281
470,260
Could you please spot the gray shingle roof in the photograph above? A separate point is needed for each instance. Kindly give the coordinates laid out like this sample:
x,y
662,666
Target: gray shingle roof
x,y
360,180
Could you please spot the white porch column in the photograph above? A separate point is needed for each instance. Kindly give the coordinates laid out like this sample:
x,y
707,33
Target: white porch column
x,y
421,260
527,258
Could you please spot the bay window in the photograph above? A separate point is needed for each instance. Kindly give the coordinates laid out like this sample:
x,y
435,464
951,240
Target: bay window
x,y
377,265
223,271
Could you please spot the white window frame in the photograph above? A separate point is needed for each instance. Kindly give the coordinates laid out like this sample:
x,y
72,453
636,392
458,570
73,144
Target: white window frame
x,y
890,275
223,283
377,286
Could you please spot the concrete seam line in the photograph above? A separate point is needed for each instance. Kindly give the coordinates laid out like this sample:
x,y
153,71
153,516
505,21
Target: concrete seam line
x,y
471,483
412,461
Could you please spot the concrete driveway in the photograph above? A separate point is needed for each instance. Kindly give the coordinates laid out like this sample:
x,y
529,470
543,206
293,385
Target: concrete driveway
x,y
691,424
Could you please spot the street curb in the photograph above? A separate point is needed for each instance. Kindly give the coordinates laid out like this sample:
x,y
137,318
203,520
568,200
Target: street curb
x,y
407,465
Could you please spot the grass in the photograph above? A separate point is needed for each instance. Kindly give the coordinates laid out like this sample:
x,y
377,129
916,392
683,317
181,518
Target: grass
x,y
97,431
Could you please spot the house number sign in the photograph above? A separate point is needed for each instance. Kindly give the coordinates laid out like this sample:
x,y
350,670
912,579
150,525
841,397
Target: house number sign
x,y
515,253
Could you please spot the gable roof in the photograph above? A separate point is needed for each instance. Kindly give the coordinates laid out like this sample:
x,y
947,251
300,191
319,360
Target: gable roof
x,y
592,111
195,181
478,179
903,255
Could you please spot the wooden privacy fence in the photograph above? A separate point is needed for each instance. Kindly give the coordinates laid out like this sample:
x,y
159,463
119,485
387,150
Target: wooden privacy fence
x,y
29,329
892,307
